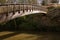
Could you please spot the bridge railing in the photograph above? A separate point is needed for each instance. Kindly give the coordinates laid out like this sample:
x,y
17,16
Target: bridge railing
x,y
15,7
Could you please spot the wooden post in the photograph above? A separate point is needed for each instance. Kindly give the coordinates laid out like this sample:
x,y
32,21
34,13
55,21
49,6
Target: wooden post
x,y
32,7
7,10
27,8
7,14
13,9
19,9
23,8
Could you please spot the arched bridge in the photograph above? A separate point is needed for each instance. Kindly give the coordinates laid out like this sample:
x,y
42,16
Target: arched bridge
x,y
11,11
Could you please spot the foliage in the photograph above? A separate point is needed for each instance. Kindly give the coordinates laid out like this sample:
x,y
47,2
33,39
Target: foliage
x,y
2,1
35,22
53,12
43,3
54,1
28,1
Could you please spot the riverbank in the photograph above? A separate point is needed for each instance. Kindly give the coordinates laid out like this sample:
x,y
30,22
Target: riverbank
x,y
9,35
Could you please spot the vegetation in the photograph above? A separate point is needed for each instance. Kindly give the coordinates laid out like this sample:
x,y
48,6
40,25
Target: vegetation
x,y
54,12
2,1
36,22
54,1
43,3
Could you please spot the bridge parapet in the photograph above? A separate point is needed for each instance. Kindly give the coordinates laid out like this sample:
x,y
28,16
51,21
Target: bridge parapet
x,y
15,7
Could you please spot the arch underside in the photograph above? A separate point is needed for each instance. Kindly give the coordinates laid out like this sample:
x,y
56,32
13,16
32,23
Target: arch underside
x,y
27,13
12,16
